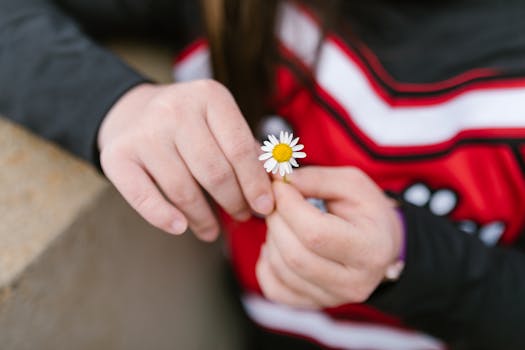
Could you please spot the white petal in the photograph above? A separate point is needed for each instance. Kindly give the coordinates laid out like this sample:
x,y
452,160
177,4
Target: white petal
x,y
285,137
294,142
269,164
267,143
290,137
294,162
265,156
273,139
298,154
297,148
281,136
282,168
288,168
267,148
275,168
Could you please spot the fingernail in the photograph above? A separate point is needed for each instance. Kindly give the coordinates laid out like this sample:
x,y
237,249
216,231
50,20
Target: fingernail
x,y
291,177
178,226
264,204
209,234
243,215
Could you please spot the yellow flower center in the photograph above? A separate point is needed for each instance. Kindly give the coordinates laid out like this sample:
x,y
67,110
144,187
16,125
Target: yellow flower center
x,y
282,152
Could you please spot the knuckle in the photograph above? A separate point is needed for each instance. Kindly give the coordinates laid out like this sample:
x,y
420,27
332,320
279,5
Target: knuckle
x,y
152,136
160,105
184,197
141,201
210,86
218,175
314,239
165,112
244,147
294,260
145,204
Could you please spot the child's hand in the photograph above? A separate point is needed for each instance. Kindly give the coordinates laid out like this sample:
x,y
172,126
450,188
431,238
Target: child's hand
x,y
159,143
314,259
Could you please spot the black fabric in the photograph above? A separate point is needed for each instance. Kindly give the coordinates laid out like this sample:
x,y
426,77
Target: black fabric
x,y
55,80
457,288
175,21
429,41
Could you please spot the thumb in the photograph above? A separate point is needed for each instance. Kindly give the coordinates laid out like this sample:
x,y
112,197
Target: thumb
x,y
332,183
290,201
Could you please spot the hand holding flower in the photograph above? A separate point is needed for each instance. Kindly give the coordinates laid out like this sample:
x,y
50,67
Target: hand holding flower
x,y
314,259
162,145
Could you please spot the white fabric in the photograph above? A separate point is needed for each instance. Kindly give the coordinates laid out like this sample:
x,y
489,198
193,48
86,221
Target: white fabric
x,y
196,66
334,333
344,80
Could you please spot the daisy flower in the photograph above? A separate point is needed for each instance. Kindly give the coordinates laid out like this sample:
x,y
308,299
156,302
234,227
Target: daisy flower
x,y
280,155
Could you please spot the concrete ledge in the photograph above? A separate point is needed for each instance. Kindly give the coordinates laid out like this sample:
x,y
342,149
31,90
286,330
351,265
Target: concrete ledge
x,y
112,282
42,191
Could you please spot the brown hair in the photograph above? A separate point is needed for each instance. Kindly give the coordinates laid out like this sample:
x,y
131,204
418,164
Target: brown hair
x,y
243,47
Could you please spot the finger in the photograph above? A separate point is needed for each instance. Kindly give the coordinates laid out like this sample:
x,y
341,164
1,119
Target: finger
x,y
139,190
319,182
327,275
236,141
274,289
292,279
176,182
208,164
323,233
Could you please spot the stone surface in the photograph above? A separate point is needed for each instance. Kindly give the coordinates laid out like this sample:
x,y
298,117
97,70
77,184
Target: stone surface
x,y
42,191
110,281
154,60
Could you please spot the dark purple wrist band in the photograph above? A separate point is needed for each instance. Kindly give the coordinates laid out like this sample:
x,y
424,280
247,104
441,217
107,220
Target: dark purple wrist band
x,y
402,251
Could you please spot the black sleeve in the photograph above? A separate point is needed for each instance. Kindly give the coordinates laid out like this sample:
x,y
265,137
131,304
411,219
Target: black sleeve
x,y
175,21
55,80
457,288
